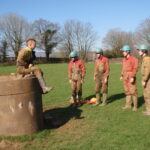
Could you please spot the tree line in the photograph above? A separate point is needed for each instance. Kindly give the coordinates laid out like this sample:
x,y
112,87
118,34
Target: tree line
x,y
73,35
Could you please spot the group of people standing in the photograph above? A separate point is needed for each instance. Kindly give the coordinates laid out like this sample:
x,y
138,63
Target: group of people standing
x,y
76,74
77,71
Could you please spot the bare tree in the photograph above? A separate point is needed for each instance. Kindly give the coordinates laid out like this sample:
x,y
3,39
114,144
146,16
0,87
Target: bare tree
x,y
65,50
15,30
78,36
115,39
3,49
46,34
67,38
142,33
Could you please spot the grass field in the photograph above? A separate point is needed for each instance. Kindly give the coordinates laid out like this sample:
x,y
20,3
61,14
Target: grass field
x,y
86,127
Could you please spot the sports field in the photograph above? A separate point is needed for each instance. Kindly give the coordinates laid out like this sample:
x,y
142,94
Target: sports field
x,y
86,127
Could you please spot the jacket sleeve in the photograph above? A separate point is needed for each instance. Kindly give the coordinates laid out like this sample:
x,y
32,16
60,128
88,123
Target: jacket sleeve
x,y
95,69
107,68
69,71
20,58
135,68
146,74
82,67
122,68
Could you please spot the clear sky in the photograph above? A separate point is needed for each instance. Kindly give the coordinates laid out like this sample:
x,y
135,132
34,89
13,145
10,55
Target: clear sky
x,y
102,14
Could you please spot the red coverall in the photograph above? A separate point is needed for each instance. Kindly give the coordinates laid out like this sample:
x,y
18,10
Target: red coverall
x,y
129,70
76,73
101,73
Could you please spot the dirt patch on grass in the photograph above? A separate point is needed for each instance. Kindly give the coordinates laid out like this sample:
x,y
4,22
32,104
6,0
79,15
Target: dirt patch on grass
x,y
72,130
9,145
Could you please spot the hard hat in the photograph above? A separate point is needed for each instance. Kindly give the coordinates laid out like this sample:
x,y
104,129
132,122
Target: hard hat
x,y
126,48
73,54
143,47
98,51
93,99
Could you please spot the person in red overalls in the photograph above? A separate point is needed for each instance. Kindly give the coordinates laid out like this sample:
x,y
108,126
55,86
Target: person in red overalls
x,y
128,76
101,73
76,74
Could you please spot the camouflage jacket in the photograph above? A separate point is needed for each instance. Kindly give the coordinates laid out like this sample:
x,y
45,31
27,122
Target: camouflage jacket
x,y
25,57
145,69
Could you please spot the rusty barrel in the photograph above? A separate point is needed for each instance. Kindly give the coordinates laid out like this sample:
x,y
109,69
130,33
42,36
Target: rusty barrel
x,y
20,105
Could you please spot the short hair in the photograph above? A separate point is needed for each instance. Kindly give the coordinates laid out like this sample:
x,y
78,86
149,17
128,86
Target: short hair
x,y
31,39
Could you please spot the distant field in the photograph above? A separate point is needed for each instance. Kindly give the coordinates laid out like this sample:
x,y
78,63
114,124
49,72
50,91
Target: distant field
x,y
86,127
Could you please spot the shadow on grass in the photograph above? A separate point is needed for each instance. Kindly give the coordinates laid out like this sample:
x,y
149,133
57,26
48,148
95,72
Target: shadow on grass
x,y
111,99
122,95
115,97
140,101
57,117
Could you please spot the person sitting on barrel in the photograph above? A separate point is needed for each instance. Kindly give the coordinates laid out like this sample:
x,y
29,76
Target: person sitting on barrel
x,y
25,65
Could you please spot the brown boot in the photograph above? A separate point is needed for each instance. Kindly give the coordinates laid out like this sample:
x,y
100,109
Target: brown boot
x,y
135,103
147,104
79,98
75,104
43,85
128,102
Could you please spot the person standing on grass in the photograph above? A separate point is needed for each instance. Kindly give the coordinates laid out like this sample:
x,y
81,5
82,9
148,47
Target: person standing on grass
x,y
25,64
128,76
101,74
76,74
145,70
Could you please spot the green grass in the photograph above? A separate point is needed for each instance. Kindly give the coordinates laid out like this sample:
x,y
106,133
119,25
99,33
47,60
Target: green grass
x,y
87,127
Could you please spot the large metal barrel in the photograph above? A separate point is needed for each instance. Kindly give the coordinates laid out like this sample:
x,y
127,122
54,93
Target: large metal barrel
x,y
20,105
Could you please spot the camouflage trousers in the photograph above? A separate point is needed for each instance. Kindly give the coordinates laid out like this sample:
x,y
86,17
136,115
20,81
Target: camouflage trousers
x,y
146,92
76,87
24,71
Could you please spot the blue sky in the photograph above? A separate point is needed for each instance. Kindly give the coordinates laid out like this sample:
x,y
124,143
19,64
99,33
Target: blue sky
x,y
102,14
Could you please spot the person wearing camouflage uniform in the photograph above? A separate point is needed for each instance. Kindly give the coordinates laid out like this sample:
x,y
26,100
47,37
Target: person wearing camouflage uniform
x,y
25,64
128,76
101,74
76,74
145,71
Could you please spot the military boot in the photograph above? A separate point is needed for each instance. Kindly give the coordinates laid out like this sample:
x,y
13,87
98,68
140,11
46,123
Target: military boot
x,y
79,100
43,85
104,99
147,112
98,99
135,103
75,104
128,102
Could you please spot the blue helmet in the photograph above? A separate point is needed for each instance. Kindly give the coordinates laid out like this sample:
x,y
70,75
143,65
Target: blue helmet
x,y
73,54
98,51
143,47
126,48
